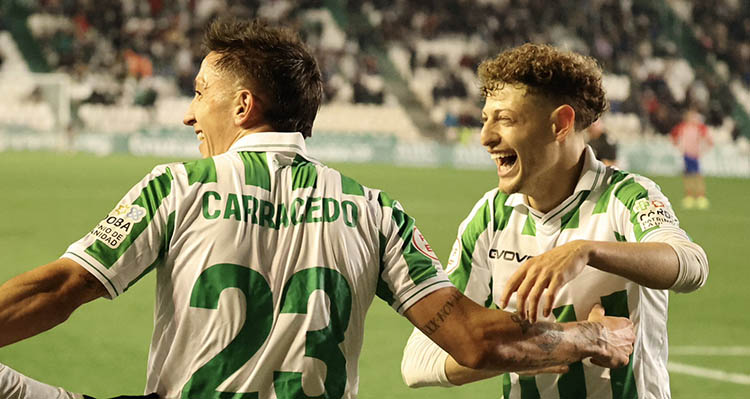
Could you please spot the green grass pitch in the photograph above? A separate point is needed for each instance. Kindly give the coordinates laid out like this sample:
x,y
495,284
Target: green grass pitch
x,y
48,201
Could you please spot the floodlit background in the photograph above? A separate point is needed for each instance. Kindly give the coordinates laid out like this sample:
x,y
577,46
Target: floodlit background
x,y
93,93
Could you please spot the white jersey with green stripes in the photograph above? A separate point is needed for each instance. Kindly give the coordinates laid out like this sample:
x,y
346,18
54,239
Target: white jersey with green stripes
x,y
502,231
266,263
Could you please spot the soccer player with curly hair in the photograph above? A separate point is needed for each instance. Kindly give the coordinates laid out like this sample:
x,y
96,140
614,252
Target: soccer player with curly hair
x,y
562,232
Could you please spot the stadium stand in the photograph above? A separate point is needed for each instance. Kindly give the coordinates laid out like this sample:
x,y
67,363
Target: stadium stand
x,y
131,63
21,102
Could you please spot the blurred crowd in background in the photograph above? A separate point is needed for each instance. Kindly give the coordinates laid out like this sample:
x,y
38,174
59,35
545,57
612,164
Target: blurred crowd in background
x,y
133,52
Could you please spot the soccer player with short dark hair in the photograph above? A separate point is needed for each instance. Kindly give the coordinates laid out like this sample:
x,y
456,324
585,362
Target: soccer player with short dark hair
x,y
562,232
266,260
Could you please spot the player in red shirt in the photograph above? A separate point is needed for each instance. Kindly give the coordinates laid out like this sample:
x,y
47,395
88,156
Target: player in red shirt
x,y
692,138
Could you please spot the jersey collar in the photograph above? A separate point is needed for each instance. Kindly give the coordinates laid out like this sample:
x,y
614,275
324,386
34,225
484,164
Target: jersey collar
x,y
290,143
592,175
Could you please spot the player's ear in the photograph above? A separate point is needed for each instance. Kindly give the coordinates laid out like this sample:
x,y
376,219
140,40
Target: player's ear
x,y
562,121
246,108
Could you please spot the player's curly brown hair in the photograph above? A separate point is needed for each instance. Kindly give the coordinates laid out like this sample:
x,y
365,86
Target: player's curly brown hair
x,y
563,76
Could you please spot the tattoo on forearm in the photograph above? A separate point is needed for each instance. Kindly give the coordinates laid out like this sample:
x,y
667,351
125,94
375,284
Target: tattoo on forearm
x,y
437,321
549,335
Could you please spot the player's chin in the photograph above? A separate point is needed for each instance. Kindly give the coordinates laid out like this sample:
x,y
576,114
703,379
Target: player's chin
x,y
509,185
203,149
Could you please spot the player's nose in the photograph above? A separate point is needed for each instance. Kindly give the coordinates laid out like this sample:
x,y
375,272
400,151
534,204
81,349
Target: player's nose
x,y
488,137
189,117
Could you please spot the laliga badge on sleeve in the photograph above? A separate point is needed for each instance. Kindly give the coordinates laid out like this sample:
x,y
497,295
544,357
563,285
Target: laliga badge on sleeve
x,y
118,224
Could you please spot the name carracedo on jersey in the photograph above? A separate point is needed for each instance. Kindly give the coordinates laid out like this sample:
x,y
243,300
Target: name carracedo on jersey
x,y
247,208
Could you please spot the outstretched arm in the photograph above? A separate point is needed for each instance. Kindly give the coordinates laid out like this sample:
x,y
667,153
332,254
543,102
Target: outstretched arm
x,y
481,338
42,298
14,385
677,264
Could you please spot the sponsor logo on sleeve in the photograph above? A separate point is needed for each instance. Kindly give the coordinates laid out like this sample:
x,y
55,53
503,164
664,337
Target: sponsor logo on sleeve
x,y
118,224
653,213
419,242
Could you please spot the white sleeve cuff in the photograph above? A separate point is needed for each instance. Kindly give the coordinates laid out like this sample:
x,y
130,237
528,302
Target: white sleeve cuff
x,y
693,271
14,385
423,363
693,262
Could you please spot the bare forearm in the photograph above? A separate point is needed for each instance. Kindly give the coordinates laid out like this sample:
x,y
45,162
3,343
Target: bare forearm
x,y
531,346
28,307
510,343
651,264
459,375
40,299
480,338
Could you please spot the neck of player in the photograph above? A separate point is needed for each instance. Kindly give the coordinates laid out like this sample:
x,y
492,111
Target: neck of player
x,y
558,185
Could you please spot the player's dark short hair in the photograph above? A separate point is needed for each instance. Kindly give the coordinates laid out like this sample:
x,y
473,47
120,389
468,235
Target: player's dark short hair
x,y
562,76
274,63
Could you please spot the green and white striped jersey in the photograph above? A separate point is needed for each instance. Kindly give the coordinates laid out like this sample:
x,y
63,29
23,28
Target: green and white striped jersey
x,y
266,263
502,231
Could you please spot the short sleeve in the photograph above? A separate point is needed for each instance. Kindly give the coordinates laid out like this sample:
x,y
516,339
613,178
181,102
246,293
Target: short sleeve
x,y
409,269
132,238
642,209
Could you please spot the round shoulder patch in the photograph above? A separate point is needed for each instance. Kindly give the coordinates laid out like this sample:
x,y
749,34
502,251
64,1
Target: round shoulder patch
x,y
419,242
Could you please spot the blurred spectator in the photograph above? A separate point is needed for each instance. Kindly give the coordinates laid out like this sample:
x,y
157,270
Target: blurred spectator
x,y
692,138
604,148
442,42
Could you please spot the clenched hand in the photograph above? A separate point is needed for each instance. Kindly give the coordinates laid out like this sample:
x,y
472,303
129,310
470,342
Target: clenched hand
x,y
617,341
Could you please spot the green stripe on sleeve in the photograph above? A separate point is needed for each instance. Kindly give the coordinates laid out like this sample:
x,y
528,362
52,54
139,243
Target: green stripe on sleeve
x,y
622,379
419,291
304,173
603,202
150,198
257,172
201,171
382,290
350,186
168,233
571,385
478,224
420,265
628,193
114,288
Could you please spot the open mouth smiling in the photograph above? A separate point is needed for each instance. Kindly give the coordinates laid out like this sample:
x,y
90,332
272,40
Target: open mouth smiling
x,y
505,160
